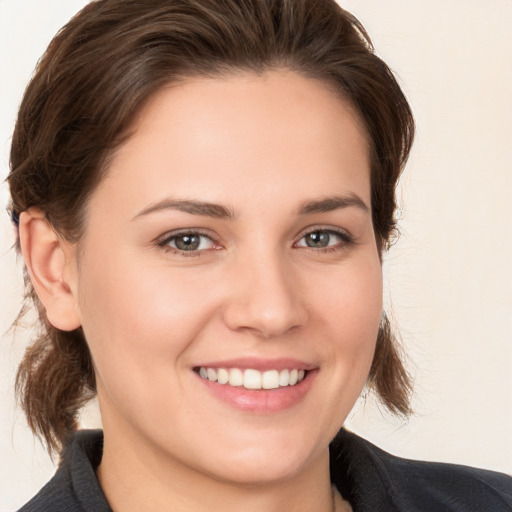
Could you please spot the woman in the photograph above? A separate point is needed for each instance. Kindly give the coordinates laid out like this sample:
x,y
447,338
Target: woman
x,y
203,192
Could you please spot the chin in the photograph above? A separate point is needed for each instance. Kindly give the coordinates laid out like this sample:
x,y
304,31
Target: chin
x,y
258,464
256,473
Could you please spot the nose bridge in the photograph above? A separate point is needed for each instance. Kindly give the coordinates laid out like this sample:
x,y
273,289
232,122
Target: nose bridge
x,y
266,300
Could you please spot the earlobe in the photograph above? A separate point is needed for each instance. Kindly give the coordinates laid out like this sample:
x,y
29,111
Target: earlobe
x,y
47,258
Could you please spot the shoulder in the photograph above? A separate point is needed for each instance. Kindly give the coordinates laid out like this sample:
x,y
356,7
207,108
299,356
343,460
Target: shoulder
x,y
74,487
448,486
56,495
53,497
374,477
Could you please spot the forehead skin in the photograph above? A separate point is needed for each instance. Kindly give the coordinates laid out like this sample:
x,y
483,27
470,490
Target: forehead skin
x,y
264,123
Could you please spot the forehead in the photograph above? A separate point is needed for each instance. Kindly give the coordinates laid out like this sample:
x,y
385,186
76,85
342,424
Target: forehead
x,y
253,133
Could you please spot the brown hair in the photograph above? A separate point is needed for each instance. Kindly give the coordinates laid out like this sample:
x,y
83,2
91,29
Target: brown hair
x,y
95,76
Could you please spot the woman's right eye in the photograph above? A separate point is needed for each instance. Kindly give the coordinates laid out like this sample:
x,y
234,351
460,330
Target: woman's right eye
x,y
187,242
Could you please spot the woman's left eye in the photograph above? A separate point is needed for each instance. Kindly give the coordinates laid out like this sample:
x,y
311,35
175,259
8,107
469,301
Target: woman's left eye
x,y
188,242
323,238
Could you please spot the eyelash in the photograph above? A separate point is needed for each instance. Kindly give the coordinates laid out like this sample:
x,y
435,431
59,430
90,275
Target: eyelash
x,y
347,240
164,243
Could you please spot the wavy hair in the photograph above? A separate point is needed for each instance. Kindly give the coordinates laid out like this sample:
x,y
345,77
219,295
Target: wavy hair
x,y
99,71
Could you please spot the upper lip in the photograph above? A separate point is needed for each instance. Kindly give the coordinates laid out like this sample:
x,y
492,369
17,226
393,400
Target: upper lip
x,y
254,363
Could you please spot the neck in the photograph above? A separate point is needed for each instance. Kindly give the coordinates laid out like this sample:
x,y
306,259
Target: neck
x,y
135,477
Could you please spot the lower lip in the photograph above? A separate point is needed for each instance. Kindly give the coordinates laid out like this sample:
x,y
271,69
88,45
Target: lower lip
x,y
261,401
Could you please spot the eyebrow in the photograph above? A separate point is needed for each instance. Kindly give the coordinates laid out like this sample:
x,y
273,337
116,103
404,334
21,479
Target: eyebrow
x,y
218,211
331,203
191,206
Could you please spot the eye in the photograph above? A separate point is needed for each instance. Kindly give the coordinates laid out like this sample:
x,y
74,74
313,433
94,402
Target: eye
x,y
324,238
187,242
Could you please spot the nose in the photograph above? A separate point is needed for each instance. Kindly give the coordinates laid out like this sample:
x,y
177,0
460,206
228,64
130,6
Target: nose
x,y
265,299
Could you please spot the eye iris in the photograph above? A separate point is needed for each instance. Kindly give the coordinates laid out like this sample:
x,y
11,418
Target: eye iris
x,y
187,242
318,239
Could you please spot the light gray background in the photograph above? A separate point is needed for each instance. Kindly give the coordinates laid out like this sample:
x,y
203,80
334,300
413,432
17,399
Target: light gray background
x,y
448,280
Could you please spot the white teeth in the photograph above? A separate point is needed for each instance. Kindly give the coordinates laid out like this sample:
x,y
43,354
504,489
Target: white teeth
x,y
236,377
270,379
222,376
253,379
284,378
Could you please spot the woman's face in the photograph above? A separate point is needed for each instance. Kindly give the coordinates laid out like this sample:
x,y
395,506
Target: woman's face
x,y
232,240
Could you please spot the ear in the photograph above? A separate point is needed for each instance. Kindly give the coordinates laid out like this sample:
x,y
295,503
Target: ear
x,y
51,265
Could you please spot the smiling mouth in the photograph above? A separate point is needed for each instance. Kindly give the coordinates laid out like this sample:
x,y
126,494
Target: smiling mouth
x,y
253,379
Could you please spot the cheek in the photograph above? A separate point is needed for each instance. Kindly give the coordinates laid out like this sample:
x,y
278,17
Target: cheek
x,y
137,320
352,302
351,309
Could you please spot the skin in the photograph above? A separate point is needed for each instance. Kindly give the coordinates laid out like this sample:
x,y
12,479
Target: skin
x,y
262,146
